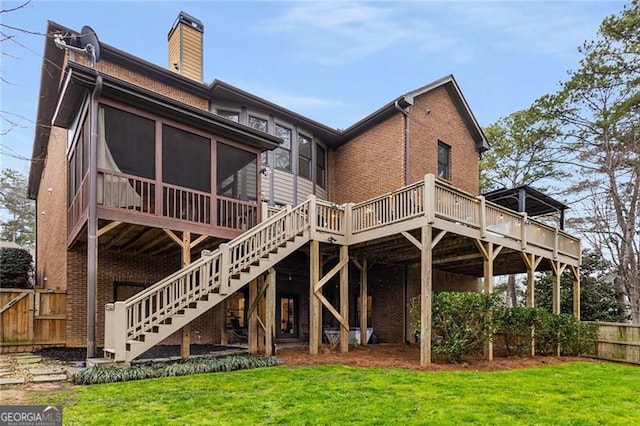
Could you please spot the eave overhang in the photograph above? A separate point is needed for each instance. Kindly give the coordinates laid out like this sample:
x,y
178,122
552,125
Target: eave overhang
x,y
81,77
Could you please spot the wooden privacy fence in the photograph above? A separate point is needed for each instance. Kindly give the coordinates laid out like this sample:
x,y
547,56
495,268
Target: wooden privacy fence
x,y
618,342
31,318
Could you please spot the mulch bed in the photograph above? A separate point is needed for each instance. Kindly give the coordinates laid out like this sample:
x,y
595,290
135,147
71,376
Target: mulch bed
x,y
407,356
381,355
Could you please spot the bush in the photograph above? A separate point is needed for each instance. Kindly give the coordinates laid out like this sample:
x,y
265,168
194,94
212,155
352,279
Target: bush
x,y
110,374
572,336
462,323
513,328
15,268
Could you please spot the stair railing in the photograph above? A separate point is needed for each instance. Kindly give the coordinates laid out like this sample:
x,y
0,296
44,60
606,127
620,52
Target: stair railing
x,y
174,293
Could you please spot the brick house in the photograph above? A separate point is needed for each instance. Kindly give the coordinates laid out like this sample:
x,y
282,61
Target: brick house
x,y
170,209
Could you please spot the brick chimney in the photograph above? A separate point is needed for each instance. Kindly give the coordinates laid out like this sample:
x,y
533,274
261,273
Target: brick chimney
x,y
185,46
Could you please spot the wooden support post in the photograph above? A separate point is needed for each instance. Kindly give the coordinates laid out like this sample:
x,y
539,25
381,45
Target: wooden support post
x,y
270,320
488,288
315,325
532,263
558,269
253,318
344,298
575,270
185,347
426,285
364,302
261,307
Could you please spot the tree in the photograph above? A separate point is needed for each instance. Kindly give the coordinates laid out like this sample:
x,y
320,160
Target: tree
x,y
598,299
16,268
521,154
598,112
18,217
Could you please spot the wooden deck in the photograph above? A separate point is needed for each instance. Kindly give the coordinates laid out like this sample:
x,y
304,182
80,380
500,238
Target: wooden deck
x,y
436,224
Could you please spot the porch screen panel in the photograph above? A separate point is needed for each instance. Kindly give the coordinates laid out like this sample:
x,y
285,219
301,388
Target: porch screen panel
x,y
186,159
236,173
130,142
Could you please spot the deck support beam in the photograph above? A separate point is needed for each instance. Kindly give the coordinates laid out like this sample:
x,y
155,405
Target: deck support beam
x,y
253,317
270,313
364,298
489,253
185,347
558,268
344,298
531,261
315,311
575,272
426,288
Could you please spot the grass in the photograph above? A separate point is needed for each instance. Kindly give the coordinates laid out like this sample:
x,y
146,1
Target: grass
x,y
580,393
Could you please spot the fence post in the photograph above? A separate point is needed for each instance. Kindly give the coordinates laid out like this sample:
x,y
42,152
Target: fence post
x,y
115,330
313,217
483,216
225,265
430,197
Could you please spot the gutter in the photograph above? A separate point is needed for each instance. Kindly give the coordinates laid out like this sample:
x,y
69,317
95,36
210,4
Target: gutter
x,y
92,223
407,136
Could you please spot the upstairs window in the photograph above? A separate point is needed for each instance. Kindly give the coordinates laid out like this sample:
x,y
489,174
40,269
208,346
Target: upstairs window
x,y
229,115
283,152
444,161
321,167
304,156
262,125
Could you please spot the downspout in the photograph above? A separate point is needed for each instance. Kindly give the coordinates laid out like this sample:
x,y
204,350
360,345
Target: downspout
x,y
92,222
407,141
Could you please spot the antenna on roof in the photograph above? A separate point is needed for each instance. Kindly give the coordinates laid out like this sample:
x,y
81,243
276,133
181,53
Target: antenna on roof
x,y
86,43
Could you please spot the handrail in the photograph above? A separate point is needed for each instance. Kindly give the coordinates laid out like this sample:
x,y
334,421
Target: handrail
x,y
178,290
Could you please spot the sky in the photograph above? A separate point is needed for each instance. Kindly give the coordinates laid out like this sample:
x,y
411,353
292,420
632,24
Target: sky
x,y
334,62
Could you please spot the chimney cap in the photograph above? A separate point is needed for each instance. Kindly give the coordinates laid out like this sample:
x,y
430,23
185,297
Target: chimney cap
x,y
188,20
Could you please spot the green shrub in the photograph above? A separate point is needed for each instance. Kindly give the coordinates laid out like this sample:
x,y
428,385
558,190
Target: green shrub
x,y
462,323
513,328
563,330
15,268
109,374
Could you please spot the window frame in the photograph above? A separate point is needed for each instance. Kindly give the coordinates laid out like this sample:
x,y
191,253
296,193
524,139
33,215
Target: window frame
x,y
321,169
309,159
280,148
446,172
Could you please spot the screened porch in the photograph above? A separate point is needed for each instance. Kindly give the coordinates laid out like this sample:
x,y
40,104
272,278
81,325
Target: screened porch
x,y
154,171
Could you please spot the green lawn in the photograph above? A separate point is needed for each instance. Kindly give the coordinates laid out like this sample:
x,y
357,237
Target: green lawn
x,y
569,393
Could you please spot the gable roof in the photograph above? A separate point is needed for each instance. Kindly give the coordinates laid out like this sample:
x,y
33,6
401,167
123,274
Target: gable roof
x,y
52,68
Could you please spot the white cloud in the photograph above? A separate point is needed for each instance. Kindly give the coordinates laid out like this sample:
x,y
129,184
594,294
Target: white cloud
x,y
338,33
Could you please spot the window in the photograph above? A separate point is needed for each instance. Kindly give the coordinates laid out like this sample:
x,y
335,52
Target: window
x,y
262,125
130,143
229,115
186,159
304,156
283,152
444,161
321,167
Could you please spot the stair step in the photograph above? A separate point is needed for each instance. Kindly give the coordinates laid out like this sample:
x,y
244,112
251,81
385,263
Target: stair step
x,y
166,321
154,329
193,305
204,298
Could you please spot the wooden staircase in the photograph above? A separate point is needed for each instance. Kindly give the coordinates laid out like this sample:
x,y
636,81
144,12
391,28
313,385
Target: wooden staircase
x,y
134,326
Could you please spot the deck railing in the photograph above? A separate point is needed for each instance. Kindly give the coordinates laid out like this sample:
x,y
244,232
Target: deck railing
x,y
330,217
186,204
454,205
121,191
174,293
397,206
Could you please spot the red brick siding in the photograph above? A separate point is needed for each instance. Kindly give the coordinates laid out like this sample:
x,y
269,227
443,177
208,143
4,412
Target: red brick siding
x,y
386,288
51,215
148,83
370,164
444,123
118,267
